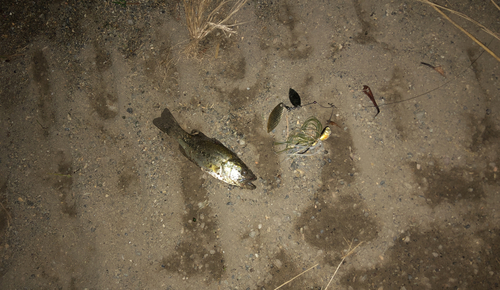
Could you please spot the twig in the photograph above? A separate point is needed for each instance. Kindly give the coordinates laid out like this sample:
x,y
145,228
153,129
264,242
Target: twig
x,y
496,5
343,258
435,6
294,277
45,128
10,56
464,17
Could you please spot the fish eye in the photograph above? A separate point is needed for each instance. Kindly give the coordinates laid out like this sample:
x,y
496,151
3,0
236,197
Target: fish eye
x,y
244,172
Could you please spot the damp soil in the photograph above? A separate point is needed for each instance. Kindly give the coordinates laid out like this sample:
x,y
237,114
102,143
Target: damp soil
x,y
94,196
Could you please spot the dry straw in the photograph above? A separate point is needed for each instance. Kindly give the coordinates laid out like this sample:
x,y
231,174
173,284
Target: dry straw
x,y
349,252
438,9
295,277
201,22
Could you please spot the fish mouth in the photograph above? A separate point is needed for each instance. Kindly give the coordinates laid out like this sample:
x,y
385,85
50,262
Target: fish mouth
x,y
249,185
246,180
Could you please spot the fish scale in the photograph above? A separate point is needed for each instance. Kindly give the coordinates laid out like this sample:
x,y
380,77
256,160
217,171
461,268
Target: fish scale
x,y
208,153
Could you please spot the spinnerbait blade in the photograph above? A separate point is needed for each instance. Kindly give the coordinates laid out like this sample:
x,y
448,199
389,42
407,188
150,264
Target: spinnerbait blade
x,y
275,117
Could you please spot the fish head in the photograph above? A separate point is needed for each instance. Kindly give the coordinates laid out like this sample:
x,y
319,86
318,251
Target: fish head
x,y
240,174
247,177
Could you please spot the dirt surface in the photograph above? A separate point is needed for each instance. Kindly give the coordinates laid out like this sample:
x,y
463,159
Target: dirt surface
x,y
94,196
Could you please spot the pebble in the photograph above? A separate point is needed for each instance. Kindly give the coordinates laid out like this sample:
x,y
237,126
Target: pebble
x,y
420,115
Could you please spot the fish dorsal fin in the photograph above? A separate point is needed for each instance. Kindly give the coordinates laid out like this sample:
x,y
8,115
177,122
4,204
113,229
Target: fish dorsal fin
x,y
217,141
200,135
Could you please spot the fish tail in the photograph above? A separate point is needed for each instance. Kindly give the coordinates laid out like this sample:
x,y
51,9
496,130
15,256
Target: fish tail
x,y
168,124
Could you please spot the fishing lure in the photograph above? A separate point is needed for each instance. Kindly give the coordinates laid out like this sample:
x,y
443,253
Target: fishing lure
x,y
368,92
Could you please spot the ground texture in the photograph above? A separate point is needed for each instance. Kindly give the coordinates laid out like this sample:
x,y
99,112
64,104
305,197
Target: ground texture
x,y
94,196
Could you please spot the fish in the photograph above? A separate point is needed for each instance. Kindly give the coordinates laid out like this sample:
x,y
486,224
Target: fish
x,y
208,153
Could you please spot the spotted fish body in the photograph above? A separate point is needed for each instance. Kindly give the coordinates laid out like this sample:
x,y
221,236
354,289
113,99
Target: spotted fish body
x,y
208,153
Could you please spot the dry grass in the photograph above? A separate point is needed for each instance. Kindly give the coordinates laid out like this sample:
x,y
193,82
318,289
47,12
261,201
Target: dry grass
x,y
349,251
439,9
201,21
295,277
496,5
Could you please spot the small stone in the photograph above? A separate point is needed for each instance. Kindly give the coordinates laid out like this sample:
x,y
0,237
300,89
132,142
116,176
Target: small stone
x,y
130,110
252,234
420,115
435,254
418,166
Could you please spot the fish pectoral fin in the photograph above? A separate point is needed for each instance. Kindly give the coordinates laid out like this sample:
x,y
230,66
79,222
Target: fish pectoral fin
x,y
214,168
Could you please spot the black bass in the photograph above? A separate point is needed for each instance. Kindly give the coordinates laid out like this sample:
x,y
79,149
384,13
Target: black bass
x,y
208,153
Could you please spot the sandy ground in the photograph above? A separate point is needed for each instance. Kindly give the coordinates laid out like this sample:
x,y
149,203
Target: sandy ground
x,y
94,196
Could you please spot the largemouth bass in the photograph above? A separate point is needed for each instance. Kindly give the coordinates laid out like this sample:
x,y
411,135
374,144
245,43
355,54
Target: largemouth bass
x,y
208,153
